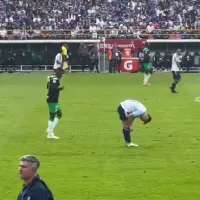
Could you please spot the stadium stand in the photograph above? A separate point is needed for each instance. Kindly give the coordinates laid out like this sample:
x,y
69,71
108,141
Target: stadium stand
x,y
91,19
65,19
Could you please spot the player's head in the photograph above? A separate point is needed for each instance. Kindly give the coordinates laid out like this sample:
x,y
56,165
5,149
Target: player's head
x,y
178,51
146,118
59,72
65,45
146,44
28,167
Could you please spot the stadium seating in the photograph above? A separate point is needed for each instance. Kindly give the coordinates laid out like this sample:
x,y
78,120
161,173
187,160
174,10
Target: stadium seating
x,y
59,19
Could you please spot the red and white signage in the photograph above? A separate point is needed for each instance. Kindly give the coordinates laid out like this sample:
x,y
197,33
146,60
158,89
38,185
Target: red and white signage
x,y
132,44
129,65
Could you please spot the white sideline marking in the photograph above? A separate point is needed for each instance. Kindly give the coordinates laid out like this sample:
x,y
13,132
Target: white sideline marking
x,y
197,99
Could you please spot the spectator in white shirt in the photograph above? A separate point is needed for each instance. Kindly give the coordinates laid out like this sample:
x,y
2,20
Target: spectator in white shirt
x,y
3,32
93,28
150,27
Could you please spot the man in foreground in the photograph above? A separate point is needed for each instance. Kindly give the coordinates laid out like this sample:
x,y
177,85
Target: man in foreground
x,y
34,187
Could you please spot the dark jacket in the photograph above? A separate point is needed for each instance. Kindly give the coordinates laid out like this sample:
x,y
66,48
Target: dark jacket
x,y
94,54
83,50
36,190
115,54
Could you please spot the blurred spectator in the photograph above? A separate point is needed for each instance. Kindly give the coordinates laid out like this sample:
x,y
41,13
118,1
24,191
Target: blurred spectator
x,y
3,33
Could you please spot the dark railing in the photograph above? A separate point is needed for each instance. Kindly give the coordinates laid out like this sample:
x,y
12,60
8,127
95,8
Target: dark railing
x,y
107,33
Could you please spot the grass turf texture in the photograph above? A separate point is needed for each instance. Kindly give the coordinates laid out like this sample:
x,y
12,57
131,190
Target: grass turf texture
x,y
90,161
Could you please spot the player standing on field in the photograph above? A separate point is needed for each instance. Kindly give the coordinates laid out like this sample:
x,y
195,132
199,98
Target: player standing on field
x,y
176,68
58,61
147,64
55,112
129,110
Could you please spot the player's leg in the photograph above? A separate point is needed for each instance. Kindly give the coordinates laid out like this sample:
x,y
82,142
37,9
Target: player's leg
x,y
179,77
150,71
147,76
127,128
92,66
176,79
57,117
52,115
50,123
97,65
145,66
147,73
126,122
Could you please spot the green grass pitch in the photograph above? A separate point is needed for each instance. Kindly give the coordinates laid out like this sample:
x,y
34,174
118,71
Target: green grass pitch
x,y
90,161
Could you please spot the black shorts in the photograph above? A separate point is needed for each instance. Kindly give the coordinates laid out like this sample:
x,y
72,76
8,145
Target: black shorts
x,y
121,112
176,75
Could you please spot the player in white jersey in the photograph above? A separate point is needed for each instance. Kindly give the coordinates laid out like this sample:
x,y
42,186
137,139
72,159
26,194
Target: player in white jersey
x,y
129,110
176,68
58,61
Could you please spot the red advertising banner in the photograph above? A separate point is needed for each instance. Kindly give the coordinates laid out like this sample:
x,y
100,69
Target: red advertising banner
x,y
130,65
132,44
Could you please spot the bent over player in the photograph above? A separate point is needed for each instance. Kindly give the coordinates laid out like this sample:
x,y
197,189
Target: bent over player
x,y
55,113
129,110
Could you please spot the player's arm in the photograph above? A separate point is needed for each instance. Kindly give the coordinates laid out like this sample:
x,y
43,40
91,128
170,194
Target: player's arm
x,y
136,113
178,62
58,60
48,80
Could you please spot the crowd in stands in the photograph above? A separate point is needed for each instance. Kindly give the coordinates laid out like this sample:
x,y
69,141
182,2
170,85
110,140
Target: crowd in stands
x,y
65,19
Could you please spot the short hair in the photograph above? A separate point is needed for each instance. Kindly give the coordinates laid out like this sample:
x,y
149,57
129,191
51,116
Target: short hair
x,y
32,159
148,120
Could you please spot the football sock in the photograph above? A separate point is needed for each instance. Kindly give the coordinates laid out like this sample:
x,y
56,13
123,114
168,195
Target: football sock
x,y
148,77
50,126
145,79
173,86
55,122
127,137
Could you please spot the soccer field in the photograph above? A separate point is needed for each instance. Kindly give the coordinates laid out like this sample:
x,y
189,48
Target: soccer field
x,y
90,161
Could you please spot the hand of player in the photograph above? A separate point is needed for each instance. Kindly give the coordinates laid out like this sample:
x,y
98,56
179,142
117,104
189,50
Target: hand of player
x,y
131,129
61,87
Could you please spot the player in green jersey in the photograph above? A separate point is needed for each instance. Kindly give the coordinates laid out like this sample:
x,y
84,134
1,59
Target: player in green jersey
x,y
55,112
147,64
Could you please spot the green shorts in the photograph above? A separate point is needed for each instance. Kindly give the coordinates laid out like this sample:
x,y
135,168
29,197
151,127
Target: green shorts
x,y
147,67
54,107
